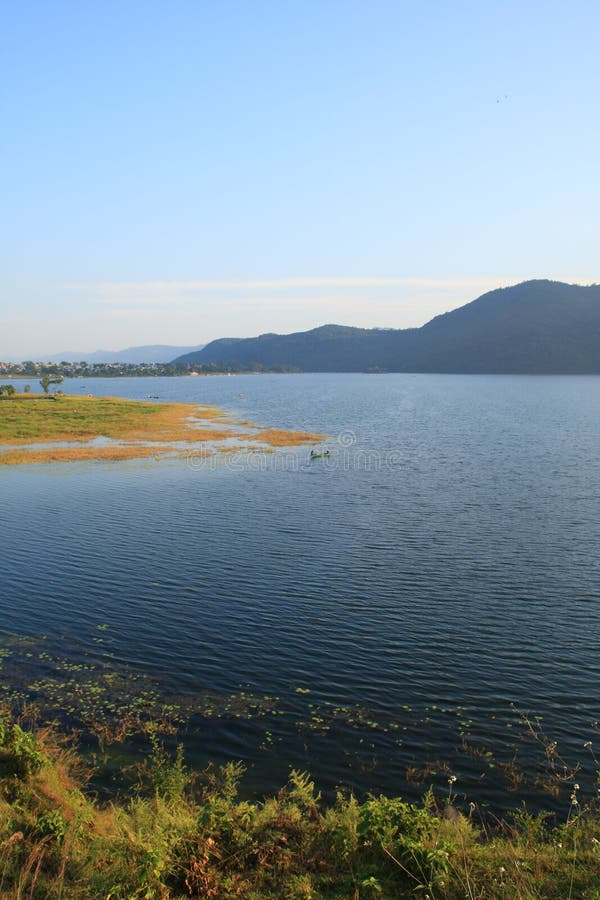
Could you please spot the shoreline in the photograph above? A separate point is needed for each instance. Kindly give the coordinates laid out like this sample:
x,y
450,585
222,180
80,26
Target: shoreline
x,y
38,428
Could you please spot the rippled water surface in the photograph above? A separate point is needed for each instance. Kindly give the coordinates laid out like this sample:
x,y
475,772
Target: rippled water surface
x,y
400,604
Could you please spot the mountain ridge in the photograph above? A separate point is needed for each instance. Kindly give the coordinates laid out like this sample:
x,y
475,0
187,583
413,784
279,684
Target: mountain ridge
x,y
150,353
534,327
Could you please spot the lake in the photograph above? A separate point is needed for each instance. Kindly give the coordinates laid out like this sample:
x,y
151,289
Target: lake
x,y
382,618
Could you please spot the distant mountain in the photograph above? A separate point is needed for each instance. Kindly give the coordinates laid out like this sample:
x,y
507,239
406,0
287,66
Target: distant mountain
x,y
536,327
155,353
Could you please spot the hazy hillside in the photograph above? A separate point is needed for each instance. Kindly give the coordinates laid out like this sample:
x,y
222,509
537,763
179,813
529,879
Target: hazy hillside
x,y
533,327
154,353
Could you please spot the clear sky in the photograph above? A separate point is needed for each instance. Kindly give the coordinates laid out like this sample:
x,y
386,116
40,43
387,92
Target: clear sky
x,y
178,171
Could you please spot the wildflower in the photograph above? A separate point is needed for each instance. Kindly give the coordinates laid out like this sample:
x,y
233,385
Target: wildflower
x,y
452,779
587,745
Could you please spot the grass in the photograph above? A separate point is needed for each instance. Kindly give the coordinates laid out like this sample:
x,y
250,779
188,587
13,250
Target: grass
x,y
29,419
277,437
80,454
177,834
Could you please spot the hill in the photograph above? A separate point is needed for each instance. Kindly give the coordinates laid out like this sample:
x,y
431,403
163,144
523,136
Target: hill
x,y
330,348
154,353
536,327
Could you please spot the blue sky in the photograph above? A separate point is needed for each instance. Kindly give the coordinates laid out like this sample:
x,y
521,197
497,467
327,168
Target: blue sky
x,y
175,172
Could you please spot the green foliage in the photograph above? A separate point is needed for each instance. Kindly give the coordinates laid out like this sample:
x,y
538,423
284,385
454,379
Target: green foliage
x,y
47,380
405,835
301,792
7,390
20,755
52,824
55,842
168,775
371,884
387,821
530,830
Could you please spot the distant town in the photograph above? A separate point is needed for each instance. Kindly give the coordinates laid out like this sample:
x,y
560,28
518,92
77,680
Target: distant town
x,y
83,369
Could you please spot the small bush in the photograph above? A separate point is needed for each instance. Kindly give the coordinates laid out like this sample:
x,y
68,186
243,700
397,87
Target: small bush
x,y
168,776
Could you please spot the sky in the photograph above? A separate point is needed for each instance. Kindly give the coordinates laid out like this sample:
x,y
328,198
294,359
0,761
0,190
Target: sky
x,y
177,172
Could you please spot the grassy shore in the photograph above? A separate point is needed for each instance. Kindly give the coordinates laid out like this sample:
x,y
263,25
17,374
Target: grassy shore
x,y
135,428
178,834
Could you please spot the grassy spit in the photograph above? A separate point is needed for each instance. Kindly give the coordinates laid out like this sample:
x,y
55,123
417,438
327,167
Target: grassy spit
x,y
138,428
176,835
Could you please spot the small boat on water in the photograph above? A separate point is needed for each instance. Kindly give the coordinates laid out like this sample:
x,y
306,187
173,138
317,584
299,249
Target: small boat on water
x,y
317,454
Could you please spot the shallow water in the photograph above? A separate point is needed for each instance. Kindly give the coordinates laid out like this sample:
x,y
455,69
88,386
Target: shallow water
x,y
400,603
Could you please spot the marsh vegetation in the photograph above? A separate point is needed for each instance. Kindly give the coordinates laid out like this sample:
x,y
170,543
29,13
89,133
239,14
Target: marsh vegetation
x,y
32,425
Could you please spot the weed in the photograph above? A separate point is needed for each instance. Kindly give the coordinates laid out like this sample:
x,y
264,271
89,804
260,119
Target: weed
x,y
194,836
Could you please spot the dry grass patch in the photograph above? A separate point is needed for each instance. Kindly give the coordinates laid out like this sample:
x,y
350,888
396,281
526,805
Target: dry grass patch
x,y
116,453
141,429
209,411
278,437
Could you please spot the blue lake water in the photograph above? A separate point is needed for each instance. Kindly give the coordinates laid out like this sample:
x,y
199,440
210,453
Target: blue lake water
x,y
401,604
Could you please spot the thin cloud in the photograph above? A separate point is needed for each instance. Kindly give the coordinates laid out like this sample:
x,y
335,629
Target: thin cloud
x,y
156,306
142,291
269,301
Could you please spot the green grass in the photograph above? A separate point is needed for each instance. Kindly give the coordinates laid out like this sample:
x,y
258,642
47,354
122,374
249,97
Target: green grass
x,y
177,834
35,418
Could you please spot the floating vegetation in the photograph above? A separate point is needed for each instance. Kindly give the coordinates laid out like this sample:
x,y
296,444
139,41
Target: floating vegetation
x,y
426,771
110,704
89,694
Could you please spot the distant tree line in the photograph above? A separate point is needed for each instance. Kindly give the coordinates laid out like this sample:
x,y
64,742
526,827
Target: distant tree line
x,y
83,369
